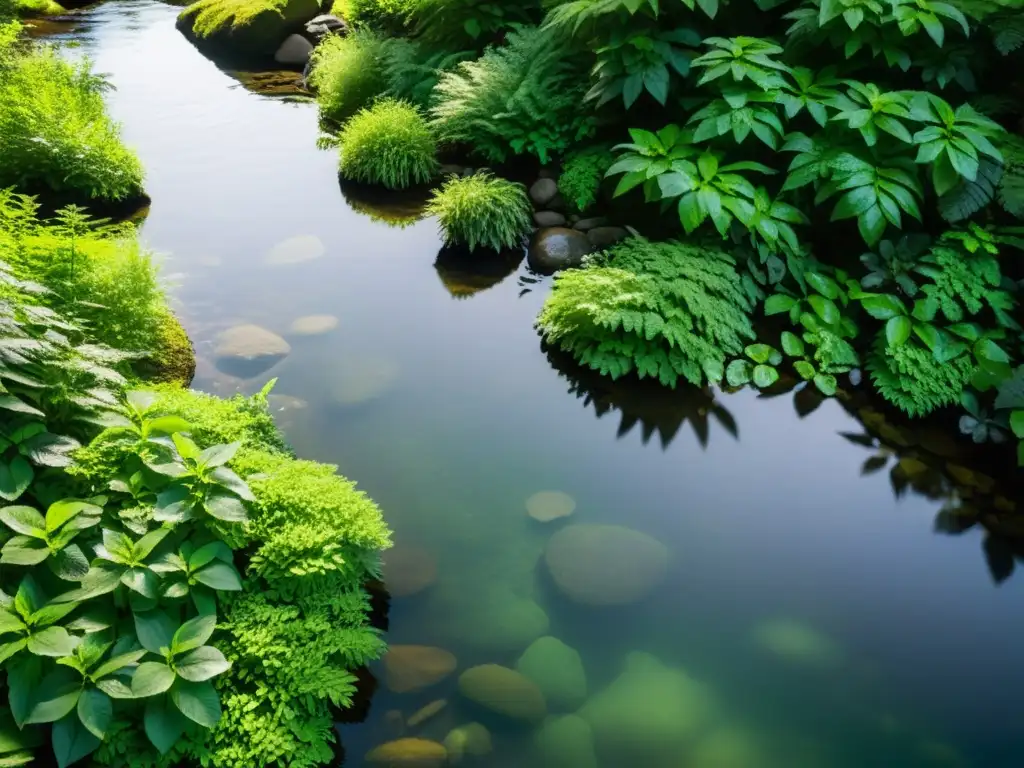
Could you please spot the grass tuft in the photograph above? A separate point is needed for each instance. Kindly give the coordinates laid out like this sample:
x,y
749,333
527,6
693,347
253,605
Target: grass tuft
x,y
482,210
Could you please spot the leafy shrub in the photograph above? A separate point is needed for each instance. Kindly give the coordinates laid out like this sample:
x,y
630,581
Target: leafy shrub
x,y
348,73
482,210
909,376
521,98
55,133
413,69
582,176
457,24
390,16
37,8
389,144
664,310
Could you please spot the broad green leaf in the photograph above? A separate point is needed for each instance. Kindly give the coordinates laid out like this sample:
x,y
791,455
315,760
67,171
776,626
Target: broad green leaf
x,y
24,550
95,710
778,303
201,664
72,741
227,478
143,581
826,384
759,353
15,477
224,506
7,650
117,663
883,307
52,641
738,373
9,622
219,576
197,701
151,678
116,547
897,330
804,369
115,688
825,309
186,448
51,613
165,425
145,545
1017,423
826,286
217,455
764,376
24,520
61,512
215,550
155,630
57,696
70,563
193,634
163,723
22,684
791,344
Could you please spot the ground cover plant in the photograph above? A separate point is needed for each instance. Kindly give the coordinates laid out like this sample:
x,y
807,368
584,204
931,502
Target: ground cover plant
x,y
389,144
482,210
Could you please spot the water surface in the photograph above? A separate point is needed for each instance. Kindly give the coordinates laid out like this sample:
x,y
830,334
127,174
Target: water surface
x,y
901,651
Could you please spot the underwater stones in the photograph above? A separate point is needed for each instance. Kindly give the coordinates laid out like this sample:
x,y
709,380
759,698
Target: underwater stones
x,y
410,668
296,249
469,740
421,753
727,747
605,564
584,225
503,691
604,237
408,570
543,191
313,325
649,710
548,219
557,670
500,622
555,248
546,506
797,642
248,350
362,380
566,742
424,713
294,51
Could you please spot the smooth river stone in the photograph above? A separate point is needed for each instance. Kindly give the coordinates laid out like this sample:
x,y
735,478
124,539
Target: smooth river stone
x,y
557,670
605,564
408,570
424,713
296,249
420,753
546,506
361,380
797,642
312,325
503,691
499,621
727,747
415,667
469,740
566,742
249,350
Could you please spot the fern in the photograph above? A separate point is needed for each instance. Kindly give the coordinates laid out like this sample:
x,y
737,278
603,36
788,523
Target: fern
x,y
909,377
522,98
582,175
661,310
963,283
969,197
412,69
1011,188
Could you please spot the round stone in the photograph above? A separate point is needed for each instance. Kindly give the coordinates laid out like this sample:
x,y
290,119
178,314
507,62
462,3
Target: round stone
x,y
605,564
557,670
549,219
566,742
546,506
296,249
728,747
249,350
503,691
543,191
408,570
312,325
469,740
421,753
555,248
362,380
604,237
415,667
499,621
797,642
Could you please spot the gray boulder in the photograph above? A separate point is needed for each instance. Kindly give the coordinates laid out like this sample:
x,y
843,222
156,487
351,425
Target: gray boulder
x,y
603,237
325,24
294,51
556,248
543,191
548,219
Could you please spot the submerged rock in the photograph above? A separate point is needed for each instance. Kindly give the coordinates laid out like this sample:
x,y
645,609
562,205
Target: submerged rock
x,y
249,350
421,753
408,570
548,219
728,747
556,248
312,325
557,670
424,713
296,249
294,51
499,622
651,710
543,191
566,742
361,380
546,506
469,740
410,668
797,642
605,564
504,691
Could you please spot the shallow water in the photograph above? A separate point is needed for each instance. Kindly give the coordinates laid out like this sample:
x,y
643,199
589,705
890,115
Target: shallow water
x,y
832,626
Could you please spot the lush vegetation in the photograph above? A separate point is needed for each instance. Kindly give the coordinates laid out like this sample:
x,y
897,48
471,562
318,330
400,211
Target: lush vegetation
x,y
348,73
481,210
55,136
792,130
388,144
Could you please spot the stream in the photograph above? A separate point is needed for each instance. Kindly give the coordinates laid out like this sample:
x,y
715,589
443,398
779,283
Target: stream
x,y
811,618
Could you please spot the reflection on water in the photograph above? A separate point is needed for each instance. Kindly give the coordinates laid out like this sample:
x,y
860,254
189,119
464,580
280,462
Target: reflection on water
x,y
774,588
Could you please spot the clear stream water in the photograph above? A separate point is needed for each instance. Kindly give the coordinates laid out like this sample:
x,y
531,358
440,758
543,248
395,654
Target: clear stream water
x,y
834,628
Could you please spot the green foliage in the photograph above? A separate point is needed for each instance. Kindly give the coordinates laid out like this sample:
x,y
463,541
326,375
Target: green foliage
x,y
211,16
582,175
664,310
413,69
458,24
521,98
388,144
481,210
348,73
390,16
55,134
911,378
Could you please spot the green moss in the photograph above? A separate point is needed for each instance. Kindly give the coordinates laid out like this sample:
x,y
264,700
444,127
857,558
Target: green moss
x,y
391,16
173,360
388,144
482,210
38,8
253,26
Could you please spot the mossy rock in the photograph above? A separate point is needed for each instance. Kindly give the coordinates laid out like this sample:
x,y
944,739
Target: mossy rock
x,y
566,742
503,691
557,670
245,27
38,8
174,361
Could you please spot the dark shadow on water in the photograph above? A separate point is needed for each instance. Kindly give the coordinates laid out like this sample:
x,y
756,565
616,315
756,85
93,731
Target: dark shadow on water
x,y
656,409
465,273
393,208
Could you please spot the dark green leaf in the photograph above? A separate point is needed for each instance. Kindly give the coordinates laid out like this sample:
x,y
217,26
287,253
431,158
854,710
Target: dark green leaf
x,y
163,723
765,376
151,678
226,507
72,741
15,477
95,710
201,664
155,630
897,330
219,576
57,696
197,701
193,633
